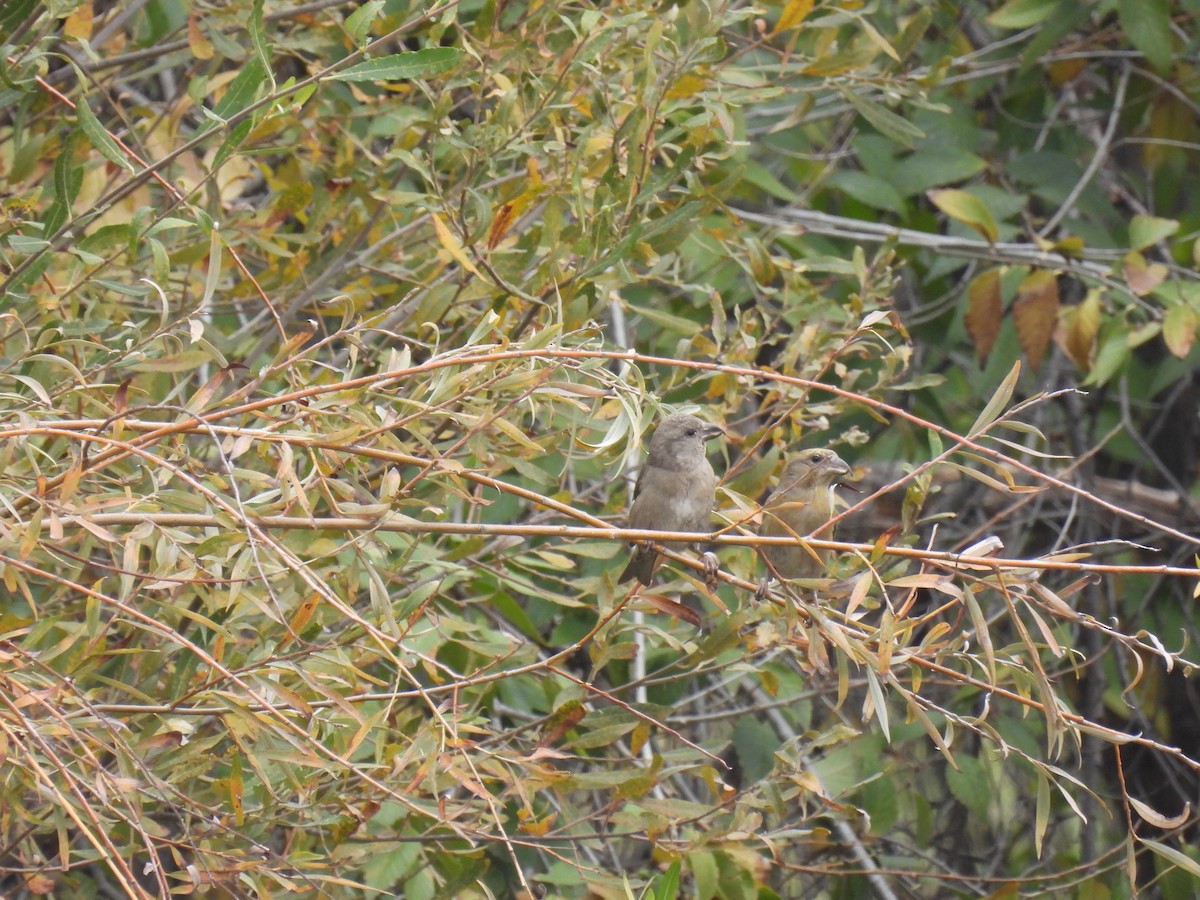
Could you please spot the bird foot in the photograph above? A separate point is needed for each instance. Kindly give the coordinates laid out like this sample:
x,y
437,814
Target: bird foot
x,y
761,593
711,567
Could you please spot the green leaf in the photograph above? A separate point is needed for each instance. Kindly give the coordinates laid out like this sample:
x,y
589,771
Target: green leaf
x,y
999,401
100,138
1042,814
13,13
666,885
243,90
931,167
765,180
1017,14
258,37
885,121
704,873
1147,23
67,176
23,245
358,23
970,785
669,321
982,634
1173,856
1113,353
402,66
237,135
879,703
1147,230
67,179
869,189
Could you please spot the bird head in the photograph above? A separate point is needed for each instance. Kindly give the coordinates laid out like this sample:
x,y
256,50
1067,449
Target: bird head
x,y
683,433
818,467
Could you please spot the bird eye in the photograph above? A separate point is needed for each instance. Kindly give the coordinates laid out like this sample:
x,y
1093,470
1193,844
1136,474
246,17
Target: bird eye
x,y
691,432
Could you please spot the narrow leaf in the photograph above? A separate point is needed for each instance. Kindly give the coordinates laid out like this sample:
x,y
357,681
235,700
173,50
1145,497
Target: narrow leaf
x,y
885,121
232,141
100,138
1042,815
453,245
213,276
402,66
1171,855
794,12
358,23
258,37
243,90
1157,819
982,634
1017,14
1000,400
875,692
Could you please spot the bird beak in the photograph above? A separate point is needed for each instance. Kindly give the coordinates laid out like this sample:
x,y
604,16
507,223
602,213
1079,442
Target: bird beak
x,y
840,469
712,431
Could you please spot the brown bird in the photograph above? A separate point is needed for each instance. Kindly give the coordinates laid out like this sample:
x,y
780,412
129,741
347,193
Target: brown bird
x,y
675,491
800,504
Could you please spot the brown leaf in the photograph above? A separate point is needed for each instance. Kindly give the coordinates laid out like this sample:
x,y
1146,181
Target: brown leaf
x,y
39,885
984,312
200,45
1142,277
531,825
671,608
121,397
1036,314
1157,819
501,222
561,721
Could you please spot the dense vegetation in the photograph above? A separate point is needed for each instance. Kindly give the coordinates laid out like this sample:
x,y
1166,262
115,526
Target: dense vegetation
x,y
331,332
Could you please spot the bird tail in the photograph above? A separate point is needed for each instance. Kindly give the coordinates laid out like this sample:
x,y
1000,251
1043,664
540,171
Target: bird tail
x,y
641,566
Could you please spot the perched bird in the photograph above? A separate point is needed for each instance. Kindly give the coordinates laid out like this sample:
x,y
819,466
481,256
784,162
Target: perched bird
x,y
800,504
675,491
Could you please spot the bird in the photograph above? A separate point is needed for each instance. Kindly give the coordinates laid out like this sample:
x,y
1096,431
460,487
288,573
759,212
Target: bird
x,y
675,491
800,504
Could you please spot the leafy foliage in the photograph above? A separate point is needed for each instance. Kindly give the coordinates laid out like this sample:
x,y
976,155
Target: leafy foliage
x,y
330,335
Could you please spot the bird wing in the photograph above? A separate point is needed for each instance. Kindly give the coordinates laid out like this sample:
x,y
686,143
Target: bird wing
x,y
637,487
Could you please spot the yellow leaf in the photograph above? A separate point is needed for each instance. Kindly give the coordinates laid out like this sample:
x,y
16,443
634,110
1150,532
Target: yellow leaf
x,y
1179,330
79,23
1082,326
965,207
200,45
688,85
452,245
793,14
